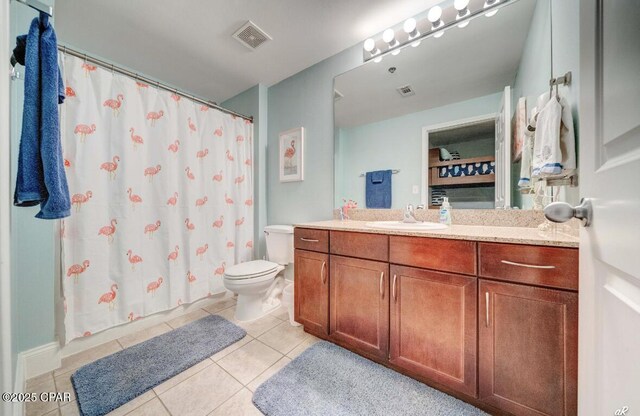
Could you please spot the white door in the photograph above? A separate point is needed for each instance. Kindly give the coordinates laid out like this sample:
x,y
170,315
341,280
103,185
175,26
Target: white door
x,y
503,151
609,331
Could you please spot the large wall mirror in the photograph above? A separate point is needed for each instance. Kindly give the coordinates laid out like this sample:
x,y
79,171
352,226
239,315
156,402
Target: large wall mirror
x,y
447,116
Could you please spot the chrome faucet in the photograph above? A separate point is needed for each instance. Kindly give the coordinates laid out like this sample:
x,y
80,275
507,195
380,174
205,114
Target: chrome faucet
x,y
409,215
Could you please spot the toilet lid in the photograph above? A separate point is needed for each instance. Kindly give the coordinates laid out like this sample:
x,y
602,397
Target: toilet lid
x,y
250,269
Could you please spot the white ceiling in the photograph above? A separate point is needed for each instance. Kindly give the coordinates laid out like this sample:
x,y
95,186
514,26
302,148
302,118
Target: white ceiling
x,y
475,61
188,44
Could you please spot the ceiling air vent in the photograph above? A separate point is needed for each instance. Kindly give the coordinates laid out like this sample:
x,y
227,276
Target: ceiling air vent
x,y
337,95
251,35
406,91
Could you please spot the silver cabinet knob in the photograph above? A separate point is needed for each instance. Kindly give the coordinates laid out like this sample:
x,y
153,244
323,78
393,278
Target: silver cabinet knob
x,y
562,212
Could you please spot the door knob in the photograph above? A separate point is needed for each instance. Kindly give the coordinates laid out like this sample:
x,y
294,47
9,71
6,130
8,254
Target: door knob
x,y
562,212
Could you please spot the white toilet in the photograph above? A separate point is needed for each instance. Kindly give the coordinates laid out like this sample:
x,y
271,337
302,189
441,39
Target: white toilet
x,y
258,282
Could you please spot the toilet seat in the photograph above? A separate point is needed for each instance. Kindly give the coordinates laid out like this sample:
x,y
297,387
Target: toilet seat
x,y
250,270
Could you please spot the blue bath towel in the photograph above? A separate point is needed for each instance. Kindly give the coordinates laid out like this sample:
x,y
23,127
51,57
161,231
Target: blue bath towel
x,y
41,177
378,189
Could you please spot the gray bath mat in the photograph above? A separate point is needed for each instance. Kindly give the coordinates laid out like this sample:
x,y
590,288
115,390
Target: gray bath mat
x,y
112,381
329,380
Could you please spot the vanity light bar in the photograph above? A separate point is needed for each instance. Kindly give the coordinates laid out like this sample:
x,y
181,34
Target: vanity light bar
x,y
438,26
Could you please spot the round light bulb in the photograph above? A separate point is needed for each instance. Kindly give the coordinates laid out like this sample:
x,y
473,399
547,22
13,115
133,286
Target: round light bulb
x,y
409,25
489,3
395,52
464,24
434,14
416,43
388,36
460,4
378,59
369,45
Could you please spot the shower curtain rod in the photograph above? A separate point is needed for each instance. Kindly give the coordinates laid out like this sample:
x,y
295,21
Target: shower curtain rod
x,y
149,81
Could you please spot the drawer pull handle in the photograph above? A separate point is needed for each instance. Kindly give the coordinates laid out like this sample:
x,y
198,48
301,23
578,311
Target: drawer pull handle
x,y
309,240
381,287
486,296
395,277
322,277
531,266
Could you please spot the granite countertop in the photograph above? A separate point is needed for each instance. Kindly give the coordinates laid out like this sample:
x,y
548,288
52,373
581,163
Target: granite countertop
x,y
512,235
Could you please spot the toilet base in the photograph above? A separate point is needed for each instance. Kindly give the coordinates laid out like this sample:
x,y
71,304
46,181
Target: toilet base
x,y
250,308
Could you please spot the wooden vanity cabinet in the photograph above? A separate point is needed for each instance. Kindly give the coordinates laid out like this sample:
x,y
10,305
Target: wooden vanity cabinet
x,y
495,324
528,341
433,326
359,304
311,291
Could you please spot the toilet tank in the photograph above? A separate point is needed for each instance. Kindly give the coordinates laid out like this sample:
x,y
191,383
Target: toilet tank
x,y
279,240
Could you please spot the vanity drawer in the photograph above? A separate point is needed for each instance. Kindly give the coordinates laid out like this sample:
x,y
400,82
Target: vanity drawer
x,y
363,245
310,239
536,265
455,256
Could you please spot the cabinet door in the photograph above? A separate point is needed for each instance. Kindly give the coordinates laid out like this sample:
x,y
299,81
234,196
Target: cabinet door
x,y
359,305
434,326
528,349
311,287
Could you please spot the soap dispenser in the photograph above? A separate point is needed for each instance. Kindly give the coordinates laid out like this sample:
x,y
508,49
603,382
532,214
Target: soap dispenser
x,y
445,212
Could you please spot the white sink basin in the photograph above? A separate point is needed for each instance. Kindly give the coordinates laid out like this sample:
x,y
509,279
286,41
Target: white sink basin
x,y
405,226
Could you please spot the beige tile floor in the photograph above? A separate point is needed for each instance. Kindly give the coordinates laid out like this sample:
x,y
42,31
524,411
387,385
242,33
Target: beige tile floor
x,y
221,385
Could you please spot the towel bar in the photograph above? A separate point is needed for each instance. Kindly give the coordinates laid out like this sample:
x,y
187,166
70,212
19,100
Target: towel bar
x,y
393,171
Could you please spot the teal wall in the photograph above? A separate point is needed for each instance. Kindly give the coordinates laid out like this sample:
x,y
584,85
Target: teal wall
x,y
306,100
535,68
532,80
32,240
396,143
566,57
253,102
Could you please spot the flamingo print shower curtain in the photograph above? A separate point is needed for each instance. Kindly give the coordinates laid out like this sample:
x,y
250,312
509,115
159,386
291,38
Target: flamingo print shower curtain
x,y
162,202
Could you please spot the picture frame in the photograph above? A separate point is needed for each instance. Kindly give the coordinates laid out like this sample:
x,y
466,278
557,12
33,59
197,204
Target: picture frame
x,y
291,148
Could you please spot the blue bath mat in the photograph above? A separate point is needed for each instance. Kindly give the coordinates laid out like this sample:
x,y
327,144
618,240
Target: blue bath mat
x,y
110,382
329,380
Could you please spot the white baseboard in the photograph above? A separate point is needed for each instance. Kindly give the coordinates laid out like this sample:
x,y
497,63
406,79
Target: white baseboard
x,y
41,359
84,343
48,357
19,386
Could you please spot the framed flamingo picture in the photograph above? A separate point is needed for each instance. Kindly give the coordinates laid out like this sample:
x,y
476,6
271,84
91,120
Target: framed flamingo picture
x,y
292,155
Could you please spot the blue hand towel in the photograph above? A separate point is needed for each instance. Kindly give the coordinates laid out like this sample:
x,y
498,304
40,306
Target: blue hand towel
x,y
41,177
377,176
378,189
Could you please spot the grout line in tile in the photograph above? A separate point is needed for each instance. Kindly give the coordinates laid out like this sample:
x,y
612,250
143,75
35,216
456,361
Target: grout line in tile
x,y
141,404
267,369
164,405
221,404
231,375
55,387
269,346
192,375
